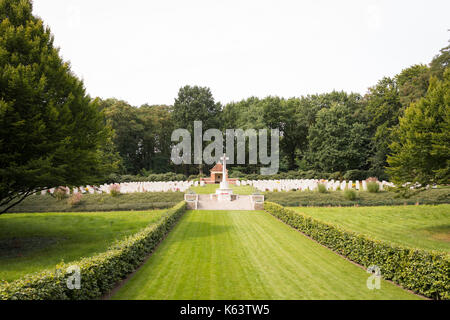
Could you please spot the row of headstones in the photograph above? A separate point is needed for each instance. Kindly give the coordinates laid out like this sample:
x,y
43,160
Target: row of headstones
x,y
310,184
199,183
128,187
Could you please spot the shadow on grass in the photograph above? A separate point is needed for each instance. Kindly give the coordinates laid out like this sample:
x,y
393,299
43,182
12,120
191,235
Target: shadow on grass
x,y
441,233
196,229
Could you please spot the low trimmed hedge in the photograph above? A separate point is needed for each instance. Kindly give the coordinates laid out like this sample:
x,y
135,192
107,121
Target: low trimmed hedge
x,y
424,272
99,273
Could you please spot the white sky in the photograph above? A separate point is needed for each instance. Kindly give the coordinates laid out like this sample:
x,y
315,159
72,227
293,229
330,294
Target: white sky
x,y
144,51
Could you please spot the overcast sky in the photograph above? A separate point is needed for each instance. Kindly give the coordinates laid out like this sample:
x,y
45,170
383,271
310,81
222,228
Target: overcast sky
x,y
143,51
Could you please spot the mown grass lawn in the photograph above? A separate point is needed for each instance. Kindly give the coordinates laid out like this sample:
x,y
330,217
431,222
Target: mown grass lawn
x,y
211,188
247,255
426,227
33,242
363,198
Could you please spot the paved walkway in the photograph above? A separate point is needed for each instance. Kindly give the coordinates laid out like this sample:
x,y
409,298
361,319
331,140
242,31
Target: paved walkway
x,y
242,203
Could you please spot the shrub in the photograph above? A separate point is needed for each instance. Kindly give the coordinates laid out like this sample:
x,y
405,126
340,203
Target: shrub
x,y
373,187
99,273
355,175
335,176
114,190
60,193
321,188
350,194
75,199
425,272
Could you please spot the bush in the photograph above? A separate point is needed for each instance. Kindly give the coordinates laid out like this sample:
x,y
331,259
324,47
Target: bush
x,y
355,175
99,273
114,190
335,176
350,194
321,188
60,193
75,199
373,187
425,272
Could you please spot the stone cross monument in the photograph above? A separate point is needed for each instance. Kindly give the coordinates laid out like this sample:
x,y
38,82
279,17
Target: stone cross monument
x,y
224,192
224,183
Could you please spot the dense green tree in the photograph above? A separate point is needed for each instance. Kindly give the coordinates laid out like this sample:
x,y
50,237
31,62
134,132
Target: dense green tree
x,y
440,62
339,139
141,135
51,132
156,144
289,118
383,108
412,83
128,132
421,149
196,103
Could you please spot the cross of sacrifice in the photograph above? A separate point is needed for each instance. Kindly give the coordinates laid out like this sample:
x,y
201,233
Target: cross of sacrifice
x,y
224,166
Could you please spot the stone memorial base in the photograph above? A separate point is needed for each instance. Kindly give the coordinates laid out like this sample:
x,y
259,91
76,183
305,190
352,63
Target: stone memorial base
x,y
224,194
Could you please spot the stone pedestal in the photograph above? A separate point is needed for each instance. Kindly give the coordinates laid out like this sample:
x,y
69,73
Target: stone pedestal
x,y
224,193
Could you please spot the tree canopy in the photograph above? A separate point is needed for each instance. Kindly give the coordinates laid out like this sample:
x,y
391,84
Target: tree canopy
x,y
421,149
51,132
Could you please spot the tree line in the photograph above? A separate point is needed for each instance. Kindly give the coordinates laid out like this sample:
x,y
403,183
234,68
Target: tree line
x,y
336,134
52,133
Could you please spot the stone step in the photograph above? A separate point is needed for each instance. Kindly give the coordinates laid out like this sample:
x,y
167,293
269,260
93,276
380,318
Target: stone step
x,y
242,203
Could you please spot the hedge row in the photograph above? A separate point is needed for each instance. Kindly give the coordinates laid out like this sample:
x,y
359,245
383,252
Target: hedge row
x,y
309,174
99,273
424,272
312,174
156,177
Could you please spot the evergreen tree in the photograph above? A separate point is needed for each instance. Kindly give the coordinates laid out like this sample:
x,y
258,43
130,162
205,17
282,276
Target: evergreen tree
x,y
51,133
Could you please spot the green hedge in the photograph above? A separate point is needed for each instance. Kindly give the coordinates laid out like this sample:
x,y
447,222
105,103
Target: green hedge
x,y
424,272
99,273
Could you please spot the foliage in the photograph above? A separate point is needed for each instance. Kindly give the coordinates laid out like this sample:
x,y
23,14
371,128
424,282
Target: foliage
x,y
51,132
440,62
195,104
425,272
421,150
321,188
373,187
60,193
413,83
74,199
141,135
155,177
99,273
383,108
339,140
114,190
350,194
